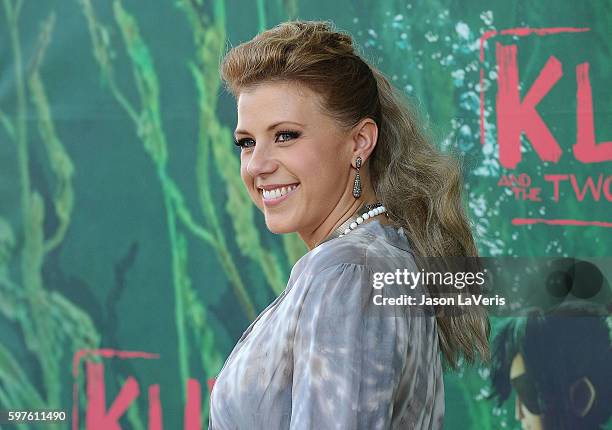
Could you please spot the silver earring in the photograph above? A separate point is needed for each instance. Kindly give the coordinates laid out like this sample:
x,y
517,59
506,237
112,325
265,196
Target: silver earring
x,y
357,184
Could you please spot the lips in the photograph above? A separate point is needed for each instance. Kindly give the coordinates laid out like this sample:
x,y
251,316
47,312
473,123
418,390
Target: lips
x,y
275,186
275,198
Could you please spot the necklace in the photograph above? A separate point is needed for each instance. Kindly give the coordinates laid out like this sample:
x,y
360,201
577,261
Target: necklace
x,y
367,211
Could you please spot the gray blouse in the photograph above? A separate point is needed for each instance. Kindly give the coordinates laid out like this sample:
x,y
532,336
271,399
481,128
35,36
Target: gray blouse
x,y
323,355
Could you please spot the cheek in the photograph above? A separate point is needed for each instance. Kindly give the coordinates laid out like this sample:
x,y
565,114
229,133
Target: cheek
x,y
247,180
243,174
323,160
328,170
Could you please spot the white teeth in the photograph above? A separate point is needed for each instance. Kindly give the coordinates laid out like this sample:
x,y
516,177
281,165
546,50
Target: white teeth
x,y
277,192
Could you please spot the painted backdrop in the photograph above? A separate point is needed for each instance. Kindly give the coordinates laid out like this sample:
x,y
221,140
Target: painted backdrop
x,y
132,259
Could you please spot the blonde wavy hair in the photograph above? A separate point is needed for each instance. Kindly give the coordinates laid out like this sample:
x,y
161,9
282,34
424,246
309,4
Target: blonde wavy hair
x,y
419,186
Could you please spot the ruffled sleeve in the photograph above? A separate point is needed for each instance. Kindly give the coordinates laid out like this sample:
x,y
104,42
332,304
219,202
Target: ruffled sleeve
x,y
348,354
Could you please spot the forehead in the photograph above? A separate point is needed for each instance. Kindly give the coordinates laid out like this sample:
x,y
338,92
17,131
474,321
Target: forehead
x,y
277,100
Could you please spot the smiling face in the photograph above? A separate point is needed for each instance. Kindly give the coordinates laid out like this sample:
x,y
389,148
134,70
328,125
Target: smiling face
x,y
288,141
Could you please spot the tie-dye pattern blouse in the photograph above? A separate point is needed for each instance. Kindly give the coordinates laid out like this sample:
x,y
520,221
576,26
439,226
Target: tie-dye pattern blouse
x,y
322,355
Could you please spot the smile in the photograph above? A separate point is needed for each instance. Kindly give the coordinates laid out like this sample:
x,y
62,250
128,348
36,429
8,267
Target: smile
x,y
277,195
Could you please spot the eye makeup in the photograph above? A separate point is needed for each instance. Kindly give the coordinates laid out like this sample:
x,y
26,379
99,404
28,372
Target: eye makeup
x,y
243,142
292,134
288,134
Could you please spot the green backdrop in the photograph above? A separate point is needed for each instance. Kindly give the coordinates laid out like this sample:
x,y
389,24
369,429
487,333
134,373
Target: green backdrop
x,y
123,221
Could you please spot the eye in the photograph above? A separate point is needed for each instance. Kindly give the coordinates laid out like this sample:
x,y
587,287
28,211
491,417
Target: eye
x,y
287,135
244,143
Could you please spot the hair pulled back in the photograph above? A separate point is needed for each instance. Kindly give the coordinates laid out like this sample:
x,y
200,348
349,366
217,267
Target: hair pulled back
x,y
419,186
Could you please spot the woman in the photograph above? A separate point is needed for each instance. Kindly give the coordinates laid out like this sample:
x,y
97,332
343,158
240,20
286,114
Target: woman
x,y
329,151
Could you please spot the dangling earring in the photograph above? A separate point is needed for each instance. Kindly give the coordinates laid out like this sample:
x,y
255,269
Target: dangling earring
x,y
357,184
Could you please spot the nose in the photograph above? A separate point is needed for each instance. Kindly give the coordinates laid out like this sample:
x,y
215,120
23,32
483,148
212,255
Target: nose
x,y
260,161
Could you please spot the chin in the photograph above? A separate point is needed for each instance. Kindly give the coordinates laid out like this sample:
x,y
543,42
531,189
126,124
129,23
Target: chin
x,y
280,227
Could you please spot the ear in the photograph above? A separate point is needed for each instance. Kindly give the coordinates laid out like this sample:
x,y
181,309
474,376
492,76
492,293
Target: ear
x,y
365,136
582,396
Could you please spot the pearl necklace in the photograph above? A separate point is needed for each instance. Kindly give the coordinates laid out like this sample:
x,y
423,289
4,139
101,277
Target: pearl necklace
x,y
360,219
367,211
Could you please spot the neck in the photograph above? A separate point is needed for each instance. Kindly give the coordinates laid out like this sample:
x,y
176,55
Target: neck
x,y
337,217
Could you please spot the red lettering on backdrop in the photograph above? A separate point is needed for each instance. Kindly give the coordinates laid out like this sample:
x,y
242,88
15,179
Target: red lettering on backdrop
x,y
555,179
581,191
155,413
520,32
585,149
515,117
193,409
97,417
606,188
595,192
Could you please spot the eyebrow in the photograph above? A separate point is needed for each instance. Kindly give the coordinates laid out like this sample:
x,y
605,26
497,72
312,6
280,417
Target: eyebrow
x,y
271,127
